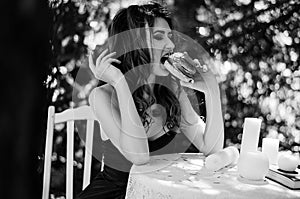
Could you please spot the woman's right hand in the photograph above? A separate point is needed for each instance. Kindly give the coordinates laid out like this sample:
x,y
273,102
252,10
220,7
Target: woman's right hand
x,y
104,70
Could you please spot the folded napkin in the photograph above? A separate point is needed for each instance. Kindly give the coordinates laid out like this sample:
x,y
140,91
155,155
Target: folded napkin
x,y
225,157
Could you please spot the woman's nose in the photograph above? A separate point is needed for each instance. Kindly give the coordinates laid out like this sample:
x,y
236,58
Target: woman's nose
x,y
170,45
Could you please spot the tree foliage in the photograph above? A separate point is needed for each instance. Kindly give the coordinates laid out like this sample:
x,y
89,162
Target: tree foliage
x,y
258,42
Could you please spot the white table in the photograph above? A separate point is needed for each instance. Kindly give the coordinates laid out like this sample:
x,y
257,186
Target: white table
x,y
184,176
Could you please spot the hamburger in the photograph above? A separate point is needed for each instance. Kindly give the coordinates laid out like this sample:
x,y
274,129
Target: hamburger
x,y
181,66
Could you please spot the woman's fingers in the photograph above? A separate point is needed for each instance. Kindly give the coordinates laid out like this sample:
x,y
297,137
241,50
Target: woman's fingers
x,y
103,62
110,60
106,58
198,85
99,58
106,66
109,56
197,62
91,64
202,66
103,53
185,84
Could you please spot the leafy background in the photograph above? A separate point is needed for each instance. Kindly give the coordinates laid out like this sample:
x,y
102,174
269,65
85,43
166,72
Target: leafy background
x,y
254,43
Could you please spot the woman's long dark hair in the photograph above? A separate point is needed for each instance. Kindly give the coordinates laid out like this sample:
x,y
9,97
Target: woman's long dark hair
x,y
127,37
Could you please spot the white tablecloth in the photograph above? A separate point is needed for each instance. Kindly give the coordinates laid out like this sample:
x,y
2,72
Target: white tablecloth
x,y
184,176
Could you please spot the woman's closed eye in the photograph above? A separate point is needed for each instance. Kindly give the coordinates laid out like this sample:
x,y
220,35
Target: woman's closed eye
x,y
161,36
158,37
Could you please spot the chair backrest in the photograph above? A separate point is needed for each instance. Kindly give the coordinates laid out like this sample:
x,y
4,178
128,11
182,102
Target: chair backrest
x,y
68,116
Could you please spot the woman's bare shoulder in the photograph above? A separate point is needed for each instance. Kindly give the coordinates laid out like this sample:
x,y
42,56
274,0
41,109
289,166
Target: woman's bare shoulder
x,y
105,92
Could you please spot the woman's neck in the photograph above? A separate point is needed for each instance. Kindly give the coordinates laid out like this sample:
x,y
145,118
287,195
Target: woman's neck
x,y
151,80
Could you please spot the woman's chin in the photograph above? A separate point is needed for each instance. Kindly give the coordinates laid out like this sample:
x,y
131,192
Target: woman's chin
x,y
163,74
160,70
163,71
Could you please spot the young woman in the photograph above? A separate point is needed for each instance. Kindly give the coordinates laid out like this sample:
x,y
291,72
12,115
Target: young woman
x,y
142,107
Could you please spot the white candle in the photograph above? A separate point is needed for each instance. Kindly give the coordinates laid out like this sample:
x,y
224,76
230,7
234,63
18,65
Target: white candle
x,y
250,136
270,147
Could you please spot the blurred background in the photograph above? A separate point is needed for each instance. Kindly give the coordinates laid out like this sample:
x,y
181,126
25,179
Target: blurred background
x,y
255,44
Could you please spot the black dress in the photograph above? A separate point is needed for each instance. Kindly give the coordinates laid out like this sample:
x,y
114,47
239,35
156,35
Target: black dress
x,y
112,181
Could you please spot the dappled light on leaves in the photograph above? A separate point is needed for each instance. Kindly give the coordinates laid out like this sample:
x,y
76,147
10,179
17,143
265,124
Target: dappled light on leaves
x,y
259,40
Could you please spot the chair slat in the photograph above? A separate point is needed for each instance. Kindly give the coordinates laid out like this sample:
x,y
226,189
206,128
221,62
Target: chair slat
x,y
81,113
88,153
70,159
68,116
48,152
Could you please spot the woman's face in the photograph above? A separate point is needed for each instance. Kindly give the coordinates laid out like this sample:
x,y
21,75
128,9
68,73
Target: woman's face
x,y
161,45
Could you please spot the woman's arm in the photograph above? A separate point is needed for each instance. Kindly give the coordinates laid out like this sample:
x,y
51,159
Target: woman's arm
x,y
121,123
209,137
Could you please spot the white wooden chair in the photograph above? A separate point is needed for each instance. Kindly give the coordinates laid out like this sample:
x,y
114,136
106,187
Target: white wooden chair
x,y
68,116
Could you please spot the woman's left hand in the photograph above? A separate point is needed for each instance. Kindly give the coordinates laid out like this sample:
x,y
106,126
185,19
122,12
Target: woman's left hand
x,y
203,80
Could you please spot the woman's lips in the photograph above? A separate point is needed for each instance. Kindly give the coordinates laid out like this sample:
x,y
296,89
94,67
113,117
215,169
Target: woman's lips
x,y
163,59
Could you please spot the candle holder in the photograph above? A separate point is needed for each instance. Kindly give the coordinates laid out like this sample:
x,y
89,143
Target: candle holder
x,y
253,166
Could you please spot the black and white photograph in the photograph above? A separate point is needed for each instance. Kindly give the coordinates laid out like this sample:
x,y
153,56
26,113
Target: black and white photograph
x,y
150,99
